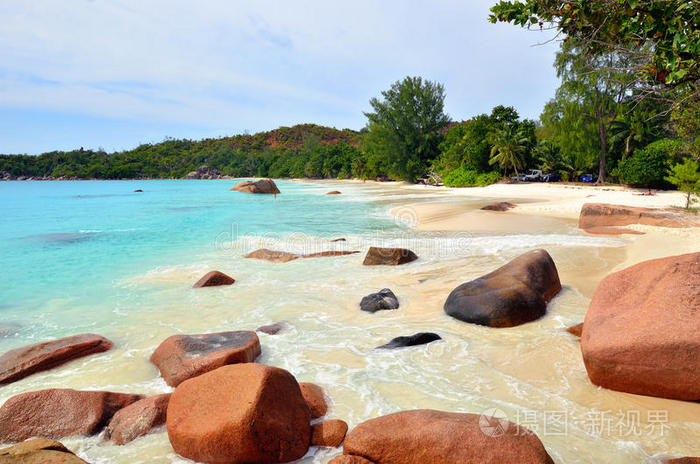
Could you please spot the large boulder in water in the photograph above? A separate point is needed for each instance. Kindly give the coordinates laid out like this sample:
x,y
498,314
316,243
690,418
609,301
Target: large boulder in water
x,y
181,357
642,329
427,436
388,256
57,413
21,362
597,215
214,279
240,414
39,451
384,299
261,186
137,419
513,294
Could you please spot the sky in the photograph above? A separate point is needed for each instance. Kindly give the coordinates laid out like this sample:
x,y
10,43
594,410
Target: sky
x,y
113,74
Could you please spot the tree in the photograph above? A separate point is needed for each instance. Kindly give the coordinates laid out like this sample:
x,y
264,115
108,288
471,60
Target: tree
x,y
404,130
686,177
508,146
592,81
549,157
662,35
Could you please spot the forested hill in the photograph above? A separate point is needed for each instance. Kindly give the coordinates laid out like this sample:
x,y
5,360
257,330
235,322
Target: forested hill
x,y
305,150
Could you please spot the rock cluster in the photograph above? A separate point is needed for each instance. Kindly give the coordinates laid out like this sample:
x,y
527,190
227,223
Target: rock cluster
x,y
204,172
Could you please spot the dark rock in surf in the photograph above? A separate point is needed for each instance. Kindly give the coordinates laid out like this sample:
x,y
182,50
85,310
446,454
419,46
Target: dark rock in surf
x,y
388,256
420,338
384,299
513,294
271,329
214,279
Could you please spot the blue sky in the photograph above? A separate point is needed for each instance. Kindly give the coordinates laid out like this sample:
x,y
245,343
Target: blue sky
x,y
117,73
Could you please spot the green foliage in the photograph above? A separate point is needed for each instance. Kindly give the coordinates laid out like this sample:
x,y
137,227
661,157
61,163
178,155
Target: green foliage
x,y
508,146
405,128
463,177
648,167
303,150
686,122
664,33
686,177
468,144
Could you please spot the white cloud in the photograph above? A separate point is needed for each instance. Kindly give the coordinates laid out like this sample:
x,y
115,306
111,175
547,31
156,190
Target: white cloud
x,y
257,65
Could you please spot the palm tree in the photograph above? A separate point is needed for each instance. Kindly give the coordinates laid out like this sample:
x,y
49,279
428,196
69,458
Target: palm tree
x,y
508,145
550,158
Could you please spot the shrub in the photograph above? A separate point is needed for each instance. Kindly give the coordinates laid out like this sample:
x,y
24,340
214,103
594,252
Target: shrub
x,y
648,167
463,177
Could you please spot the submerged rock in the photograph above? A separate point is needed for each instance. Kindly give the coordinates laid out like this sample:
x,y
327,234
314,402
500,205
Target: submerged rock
x,y
57,413
284,256
39,451
388,256
272,255
137,419
181,357
315,399
271,329
499,206
595,215
262,186
214,279
21,362
642,329
427,436
240,414
513,294
383,299
333,192
420,338
328,433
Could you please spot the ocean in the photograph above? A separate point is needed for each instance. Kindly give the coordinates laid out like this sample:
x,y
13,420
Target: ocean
x,y
96,256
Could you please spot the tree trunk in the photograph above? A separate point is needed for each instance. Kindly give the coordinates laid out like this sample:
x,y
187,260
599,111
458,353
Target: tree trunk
x,y
517,176
603,144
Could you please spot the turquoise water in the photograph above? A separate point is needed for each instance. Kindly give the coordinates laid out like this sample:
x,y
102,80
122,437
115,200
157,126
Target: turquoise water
x,y
64,245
